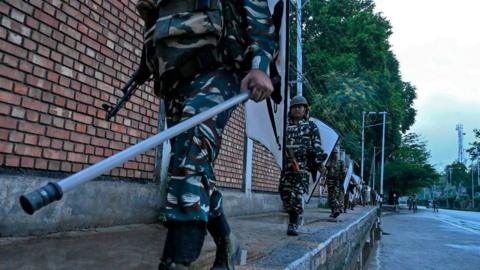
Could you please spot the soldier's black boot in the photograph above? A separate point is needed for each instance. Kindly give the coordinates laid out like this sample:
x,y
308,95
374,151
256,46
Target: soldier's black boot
x,y
183,245
293,224
227,245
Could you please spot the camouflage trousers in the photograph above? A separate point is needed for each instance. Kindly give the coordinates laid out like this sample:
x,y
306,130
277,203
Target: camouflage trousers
x,y
191,191
340,196
332,194
292,187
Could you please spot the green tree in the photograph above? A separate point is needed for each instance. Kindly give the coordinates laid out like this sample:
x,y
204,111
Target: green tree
x,y
474,150
408,168
349,67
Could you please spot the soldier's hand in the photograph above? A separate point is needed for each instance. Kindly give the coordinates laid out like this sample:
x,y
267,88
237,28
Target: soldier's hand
x,y
259,83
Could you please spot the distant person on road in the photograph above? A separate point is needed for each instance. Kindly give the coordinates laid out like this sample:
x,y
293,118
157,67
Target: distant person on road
x,y
414,202
435,205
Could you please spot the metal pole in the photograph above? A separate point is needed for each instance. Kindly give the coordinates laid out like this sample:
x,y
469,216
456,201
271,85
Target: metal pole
x,y
374,166
363,144
299,48
383,152
473,190
54,191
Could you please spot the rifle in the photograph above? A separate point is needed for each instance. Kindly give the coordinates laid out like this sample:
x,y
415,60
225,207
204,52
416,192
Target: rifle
x,y
139,77
290,155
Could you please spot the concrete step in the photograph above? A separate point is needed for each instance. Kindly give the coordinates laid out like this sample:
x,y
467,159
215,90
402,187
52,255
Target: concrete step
x,y
263,238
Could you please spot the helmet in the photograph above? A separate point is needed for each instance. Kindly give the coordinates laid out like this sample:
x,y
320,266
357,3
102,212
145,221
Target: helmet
x,y
298,100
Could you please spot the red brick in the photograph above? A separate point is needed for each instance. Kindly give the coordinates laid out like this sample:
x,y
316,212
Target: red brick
x,y
10,98
6,84
16,136
54,154
76,137
58,122
63,91
99,142
58,133
66,167
45,18
46,119
42,61
18,112
81,128
27,162
89,150
53,165
119,128
26,66
82,118
4,134
38,82
12,49
74,157
7,122
27,150
11,73
77,167
68,146
79,148
31,139
31,128
34,104
12,161
41,164
33,116
44,141
6,147
117,145
57,144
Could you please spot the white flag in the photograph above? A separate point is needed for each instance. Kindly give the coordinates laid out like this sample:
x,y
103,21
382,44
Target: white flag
x,y
265,121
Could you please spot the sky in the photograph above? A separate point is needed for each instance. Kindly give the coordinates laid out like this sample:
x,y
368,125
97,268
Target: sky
x,y
437,43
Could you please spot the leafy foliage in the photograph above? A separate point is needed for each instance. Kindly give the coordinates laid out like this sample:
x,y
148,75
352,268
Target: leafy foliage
x,y
408,169
349,68
474,150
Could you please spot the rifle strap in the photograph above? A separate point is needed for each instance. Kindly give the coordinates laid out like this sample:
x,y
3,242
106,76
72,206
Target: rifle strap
x,y
272,121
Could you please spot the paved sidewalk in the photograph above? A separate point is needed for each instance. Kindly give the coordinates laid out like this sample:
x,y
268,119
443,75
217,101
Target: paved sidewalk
x,y
139,246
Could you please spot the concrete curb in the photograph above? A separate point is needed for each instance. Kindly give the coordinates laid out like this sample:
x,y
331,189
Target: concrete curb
x,y
318,257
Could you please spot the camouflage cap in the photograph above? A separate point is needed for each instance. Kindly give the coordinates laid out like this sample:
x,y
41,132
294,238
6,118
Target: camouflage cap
x,y
298,100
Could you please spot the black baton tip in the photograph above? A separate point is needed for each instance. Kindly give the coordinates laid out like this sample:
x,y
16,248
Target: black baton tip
x,y
41,197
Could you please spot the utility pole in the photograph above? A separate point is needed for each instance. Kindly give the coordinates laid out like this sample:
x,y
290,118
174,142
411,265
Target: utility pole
x,y
383,152
299,49
373,167
459,129
473,190
363,144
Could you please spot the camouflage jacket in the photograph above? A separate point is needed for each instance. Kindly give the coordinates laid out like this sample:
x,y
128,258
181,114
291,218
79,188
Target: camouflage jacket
x,y
332,169
249,40
303,141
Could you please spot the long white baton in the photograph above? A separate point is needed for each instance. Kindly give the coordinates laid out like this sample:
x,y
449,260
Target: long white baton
x,y
51,192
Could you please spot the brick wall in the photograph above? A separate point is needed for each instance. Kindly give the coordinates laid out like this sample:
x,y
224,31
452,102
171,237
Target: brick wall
x,y
266,173
60,61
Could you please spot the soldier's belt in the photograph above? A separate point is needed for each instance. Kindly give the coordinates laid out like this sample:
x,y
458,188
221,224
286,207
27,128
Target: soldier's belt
x,y
169,7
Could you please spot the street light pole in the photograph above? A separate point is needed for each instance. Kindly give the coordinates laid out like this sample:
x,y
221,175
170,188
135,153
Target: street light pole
x,y
299,49
383,152
363,144
473,190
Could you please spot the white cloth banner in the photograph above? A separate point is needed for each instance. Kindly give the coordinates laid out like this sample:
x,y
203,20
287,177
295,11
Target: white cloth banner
x,y
257,117
329,138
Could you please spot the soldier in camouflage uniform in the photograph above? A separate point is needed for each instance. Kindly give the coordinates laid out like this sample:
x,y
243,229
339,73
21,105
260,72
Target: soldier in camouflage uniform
x,y
341,174
191,72
303,142
332,187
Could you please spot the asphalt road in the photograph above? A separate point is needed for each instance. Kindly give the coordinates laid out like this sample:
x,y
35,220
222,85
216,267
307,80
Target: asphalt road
x,y
426,240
